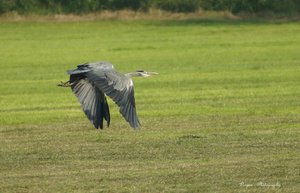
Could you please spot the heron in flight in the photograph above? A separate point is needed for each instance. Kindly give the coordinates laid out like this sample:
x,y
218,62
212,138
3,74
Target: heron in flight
x,y
91,81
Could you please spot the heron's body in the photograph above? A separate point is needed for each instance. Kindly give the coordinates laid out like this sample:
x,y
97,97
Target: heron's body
x,y
91,81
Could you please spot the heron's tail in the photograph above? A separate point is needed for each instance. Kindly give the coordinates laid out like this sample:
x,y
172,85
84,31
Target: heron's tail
x,y
81,69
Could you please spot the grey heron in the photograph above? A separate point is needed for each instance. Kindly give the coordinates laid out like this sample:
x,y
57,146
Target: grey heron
x,y
91,81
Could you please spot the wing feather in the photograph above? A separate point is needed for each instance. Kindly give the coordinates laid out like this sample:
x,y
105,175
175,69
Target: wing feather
x,y
93,102
119,88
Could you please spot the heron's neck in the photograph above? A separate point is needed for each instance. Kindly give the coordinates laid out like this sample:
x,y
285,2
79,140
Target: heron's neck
x,y
132,74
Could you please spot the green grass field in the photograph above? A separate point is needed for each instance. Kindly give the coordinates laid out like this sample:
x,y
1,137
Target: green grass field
x,y
223,110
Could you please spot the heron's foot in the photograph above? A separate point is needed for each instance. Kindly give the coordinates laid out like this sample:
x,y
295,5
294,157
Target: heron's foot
x,y
65,84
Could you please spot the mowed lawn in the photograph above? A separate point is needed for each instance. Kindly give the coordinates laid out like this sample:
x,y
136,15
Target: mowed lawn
x,y
223,115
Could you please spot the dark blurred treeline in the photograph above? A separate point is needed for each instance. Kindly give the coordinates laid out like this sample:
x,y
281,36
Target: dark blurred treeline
x,y
43,7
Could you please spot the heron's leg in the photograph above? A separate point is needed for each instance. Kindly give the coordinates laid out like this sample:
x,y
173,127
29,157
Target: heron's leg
x,y
65,84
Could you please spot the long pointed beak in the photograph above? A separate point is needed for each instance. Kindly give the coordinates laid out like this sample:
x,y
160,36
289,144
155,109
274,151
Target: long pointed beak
x,y
152,73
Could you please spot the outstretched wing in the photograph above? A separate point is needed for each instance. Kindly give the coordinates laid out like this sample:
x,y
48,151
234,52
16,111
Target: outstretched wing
x,y
93,101
117,86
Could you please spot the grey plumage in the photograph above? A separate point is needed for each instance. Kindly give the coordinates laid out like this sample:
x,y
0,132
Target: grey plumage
x,y
91,81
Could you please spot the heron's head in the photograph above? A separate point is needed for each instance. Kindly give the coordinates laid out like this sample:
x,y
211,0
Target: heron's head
x,y
145,74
